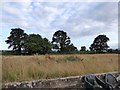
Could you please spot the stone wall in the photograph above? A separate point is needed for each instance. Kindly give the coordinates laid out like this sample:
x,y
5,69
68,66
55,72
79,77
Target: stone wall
x,y
67,82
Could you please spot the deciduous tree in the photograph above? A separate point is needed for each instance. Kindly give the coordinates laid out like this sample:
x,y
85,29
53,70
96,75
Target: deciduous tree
x,y
36,44
83,48
100,44
16,40
61,41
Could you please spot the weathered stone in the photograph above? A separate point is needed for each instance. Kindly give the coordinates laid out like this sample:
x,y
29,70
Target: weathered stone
x,y
67,82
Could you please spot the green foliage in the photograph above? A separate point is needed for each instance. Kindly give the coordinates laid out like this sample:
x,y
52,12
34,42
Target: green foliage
x,y
60,39
21,43
27,44
16,40
36,44
72,58
100,44
6,52
47,46
83,48
62,42
69,59
70,49
113,51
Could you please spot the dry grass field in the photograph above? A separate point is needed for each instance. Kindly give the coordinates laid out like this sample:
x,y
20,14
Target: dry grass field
x,y
20,68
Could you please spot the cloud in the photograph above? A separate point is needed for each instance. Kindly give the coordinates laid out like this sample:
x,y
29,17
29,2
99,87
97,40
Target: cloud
x,y
79,19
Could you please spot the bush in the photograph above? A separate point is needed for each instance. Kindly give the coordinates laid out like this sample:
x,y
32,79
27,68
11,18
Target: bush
x,y
71,58
7,52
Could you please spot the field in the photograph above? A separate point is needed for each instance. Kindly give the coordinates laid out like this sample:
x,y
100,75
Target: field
x,y
20,68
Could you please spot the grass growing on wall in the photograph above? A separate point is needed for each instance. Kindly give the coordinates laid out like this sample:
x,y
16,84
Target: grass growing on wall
x,y
20,68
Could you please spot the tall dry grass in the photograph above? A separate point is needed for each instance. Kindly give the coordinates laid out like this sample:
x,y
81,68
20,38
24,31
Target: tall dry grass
x,y
19,68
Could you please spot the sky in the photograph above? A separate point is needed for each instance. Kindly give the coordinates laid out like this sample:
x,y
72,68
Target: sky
x,y
83,21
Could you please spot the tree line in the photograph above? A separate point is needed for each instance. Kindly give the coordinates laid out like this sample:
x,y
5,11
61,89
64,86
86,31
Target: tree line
x,y
28,44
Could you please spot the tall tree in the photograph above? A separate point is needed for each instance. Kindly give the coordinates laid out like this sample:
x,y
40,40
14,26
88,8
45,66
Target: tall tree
x,y
16,40
61,41
100,43
36,44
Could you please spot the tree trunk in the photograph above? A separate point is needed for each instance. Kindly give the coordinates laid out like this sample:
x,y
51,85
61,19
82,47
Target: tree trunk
x,y
19,50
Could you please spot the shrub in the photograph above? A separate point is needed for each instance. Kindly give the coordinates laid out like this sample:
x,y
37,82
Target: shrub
x,y
71,58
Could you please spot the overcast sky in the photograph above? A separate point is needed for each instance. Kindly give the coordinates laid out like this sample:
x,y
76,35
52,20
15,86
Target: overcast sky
x,y
83,21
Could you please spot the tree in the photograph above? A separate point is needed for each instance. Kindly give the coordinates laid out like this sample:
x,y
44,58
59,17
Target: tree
x,y
83,48
16,40
70,49
113,51
110,50
46,46
36,44
100,44
61,41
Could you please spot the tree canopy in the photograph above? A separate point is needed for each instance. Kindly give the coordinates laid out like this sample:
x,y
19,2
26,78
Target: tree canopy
x,y
27,44
16,40
23,43
36,44
83,48
100,44
61,41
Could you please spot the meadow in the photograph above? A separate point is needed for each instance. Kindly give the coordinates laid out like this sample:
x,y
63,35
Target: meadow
x,y
22,68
